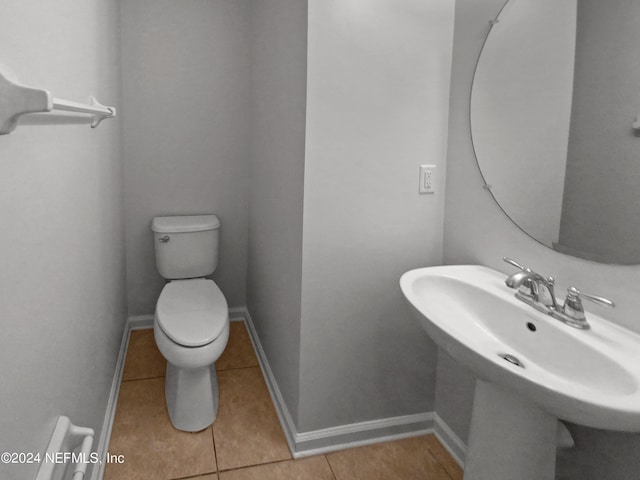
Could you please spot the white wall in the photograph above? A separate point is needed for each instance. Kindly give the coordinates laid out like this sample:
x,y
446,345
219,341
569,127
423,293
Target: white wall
x,y
278,109
186,131
62,300
377,106
521,111
477,232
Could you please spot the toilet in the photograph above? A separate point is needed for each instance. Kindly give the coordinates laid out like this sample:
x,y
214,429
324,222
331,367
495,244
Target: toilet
x,y
191,323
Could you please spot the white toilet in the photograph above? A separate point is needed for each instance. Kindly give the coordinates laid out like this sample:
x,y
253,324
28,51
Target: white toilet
x,y
191,324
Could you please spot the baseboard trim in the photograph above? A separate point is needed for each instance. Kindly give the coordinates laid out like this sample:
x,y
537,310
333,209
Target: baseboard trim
x,y
236,314
326,440
448,438
424,418
140,322
107,424
286,422
363,433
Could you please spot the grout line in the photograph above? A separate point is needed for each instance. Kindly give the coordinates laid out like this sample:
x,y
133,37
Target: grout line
x,y
450,475
433,454
442,465
444,468
446,471
272,462
198,475
143,378
326,459
215,451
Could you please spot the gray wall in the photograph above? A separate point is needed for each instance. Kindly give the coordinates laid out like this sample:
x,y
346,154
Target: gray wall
x,y
186,131
601,194
279,79
62,299
477,232
377,90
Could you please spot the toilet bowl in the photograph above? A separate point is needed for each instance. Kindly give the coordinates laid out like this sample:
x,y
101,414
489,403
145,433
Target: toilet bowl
x,y
191,322
191,330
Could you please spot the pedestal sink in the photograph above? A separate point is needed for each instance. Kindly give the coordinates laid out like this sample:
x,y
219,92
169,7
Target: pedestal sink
x,y
531,369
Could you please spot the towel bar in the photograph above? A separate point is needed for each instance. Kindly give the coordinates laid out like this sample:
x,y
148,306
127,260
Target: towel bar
x,y
17,100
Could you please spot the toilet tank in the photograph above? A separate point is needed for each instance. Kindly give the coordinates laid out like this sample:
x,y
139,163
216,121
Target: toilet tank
x,y
186,246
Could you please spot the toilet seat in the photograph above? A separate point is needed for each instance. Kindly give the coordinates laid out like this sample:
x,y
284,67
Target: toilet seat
x,y
192,313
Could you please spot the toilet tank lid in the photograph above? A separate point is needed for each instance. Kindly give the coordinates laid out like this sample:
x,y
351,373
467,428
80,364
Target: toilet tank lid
x,y
185,223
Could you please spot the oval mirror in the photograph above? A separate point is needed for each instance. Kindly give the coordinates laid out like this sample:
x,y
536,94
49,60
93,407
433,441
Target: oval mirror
x,y
553,103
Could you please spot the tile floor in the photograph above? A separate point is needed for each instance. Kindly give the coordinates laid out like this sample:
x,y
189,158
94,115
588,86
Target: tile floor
x,y
246,441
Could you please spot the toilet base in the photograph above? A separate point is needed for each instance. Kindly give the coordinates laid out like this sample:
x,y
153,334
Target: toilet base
x,y
192,397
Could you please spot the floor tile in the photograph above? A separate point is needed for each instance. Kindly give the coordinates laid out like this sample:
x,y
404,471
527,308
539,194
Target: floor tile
x,y
239,351
249,442
444,457
247,431
152,448
144,360
313,468
406,459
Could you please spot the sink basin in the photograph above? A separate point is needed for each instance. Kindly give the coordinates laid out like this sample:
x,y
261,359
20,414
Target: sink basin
x,y
525,358
591,377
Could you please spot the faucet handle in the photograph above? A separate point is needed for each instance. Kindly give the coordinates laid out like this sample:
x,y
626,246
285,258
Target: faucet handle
x,y
511,261
574,294
573,311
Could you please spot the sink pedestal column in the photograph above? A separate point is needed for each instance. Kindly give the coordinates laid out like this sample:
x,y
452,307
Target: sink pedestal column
x,y
510,437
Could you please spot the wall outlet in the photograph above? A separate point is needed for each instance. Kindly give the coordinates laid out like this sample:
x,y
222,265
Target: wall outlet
x,y
427,179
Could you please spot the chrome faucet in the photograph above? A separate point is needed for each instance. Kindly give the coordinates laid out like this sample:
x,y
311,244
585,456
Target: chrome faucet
x,y
539,292
533,288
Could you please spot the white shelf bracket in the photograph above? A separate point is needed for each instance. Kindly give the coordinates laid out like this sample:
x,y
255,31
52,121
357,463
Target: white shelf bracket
x,y
17,100
66,438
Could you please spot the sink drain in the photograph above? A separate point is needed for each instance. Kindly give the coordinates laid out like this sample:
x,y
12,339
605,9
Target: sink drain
x,y
511,359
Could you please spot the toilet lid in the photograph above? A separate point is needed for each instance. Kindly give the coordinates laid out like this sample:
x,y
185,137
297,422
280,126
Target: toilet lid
x,y
192,312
